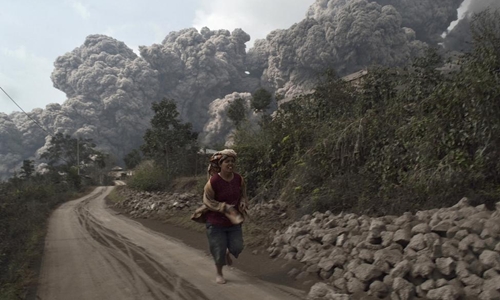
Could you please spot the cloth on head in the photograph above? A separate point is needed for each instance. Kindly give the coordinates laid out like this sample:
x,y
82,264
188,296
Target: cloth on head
x,y
217,158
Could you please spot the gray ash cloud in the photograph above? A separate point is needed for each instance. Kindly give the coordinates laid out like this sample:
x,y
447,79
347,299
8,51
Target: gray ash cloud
x,y
110,88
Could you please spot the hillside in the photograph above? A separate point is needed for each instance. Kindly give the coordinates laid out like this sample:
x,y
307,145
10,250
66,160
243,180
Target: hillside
x,y
447,253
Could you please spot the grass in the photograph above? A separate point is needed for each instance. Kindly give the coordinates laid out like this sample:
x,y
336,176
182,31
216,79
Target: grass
x,y
114,196
24,262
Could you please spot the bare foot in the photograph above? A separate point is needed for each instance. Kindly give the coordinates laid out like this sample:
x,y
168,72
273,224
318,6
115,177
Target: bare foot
x,y
220,280
229,261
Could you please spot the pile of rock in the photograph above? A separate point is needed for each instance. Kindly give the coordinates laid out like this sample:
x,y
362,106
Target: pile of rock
x,y
154,204
447,253
272,208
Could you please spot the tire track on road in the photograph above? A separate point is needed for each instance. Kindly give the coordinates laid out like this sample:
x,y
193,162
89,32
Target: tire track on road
x,y
161,282
91,253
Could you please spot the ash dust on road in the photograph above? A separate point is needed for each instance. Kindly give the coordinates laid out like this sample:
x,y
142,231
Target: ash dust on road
x,y
93,253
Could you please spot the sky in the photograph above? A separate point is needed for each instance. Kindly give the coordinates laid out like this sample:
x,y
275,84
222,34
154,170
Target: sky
x,y
34,33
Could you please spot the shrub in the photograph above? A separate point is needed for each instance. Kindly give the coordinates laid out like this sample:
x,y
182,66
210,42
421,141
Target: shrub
x,y
149,177
406,139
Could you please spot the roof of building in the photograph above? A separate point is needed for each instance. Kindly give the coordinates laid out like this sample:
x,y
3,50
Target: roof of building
x,y
355,75
207,151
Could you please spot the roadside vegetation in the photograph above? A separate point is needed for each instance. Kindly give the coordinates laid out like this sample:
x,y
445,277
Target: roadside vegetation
x,y
404,139
28,198
169,149
400,139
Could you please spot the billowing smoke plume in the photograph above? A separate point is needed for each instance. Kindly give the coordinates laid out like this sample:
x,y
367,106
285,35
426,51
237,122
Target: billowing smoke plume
x,y
459,38
476,6
20,136
110,89
428,18
344,35
219,129
11,146
197,67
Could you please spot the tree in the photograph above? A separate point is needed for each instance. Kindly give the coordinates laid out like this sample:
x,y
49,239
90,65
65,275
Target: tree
x,y
236,111
27,169
168,140
65,152
261,99
132,159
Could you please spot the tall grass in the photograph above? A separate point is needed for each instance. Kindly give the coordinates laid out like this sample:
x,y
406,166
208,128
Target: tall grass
x,y
25,206
406,139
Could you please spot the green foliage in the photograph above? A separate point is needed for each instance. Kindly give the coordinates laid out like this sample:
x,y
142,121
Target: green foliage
x,y
405,139
255,161
76,158
169,142
149,177
25,205
132,159
236,111
333,98
261,99
65,150
101,160
115,196
27,169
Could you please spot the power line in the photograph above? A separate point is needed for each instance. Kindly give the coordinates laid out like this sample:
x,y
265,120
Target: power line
x,y
50,134
36,122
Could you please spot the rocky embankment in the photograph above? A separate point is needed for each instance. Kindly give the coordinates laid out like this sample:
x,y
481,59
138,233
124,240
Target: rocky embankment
x,y
447,253
161,204
156,204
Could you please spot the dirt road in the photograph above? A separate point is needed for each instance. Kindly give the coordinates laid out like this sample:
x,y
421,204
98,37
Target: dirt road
x,y
92,253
